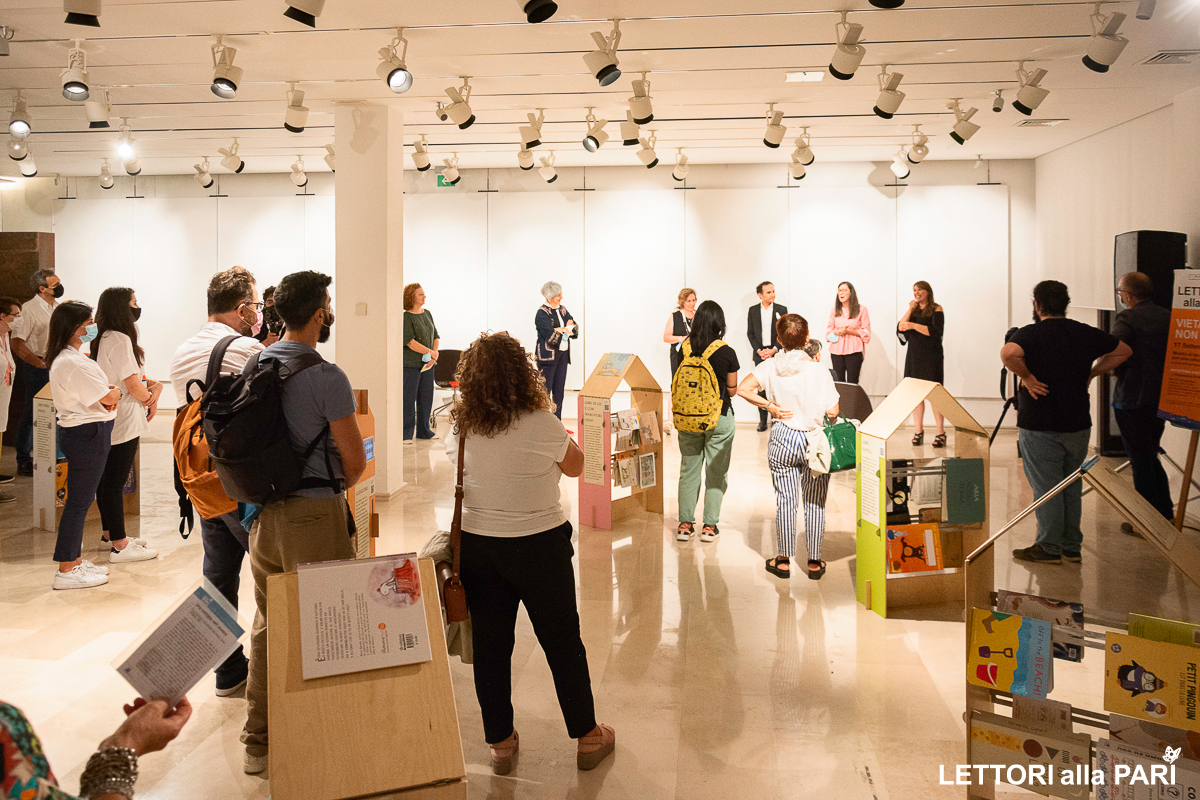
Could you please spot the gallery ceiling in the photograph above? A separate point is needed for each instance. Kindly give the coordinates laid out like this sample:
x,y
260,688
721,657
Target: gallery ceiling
x,y
713,68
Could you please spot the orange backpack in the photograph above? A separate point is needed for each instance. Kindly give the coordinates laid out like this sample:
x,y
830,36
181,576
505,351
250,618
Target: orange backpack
x,y
195,476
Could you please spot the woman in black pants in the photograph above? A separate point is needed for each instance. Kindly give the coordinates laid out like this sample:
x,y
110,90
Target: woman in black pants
x,y
116,350
555,330
516,542
86,404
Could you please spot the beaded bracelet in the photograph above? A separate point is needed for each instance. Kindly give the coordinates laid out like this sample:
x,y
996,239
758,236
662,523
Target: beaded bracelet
x,y
110,770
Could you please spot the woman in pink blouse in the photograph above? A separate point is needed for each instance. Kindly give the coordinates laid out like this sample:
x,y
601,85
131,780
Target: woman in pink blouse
x,y
849,331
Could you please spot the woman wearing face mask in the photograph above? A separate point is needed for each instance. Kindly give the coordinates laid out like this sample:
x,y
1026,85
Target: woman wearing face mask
x,y
116,350
10,310
421,342
87,405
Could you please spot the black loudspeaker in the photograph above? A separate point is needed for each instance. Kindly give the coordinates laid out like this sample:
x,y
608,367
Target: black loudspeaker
x,y
1156,253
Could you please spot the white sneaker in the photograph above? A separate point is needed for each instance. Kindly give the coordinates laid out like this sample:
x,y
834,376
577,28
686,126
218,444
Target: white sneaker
x,y
708,534
252,765
683,535
408,441
131,539
79,578
136,550
96,568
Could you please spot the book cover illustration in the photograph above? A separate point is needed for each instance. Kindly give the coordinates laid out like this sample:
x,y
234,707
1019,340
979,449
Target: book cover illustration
x,y
1164,630
914,548
625,475
1001,740
1153,736
1151,680
1010,653
1066,619
647,475
650,431
1136,766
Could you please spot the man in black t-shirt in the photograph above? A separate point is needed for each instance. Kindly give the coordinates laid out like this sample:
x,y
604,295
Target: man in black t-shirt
x,y
1055,358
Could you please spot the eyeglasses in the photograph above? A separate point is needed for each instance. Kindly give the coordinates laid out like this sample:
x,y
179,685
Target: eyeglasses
x,y
255,306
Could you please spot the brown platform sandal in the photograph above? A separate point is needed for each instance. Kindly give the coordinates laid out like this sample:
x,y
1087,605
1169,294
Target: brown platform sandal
x,y
595,747
504,754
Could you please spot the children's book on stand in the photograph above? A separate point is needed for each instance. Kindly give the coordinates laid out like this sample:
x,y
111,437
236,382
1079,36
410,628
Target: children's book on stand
x,y
914,548
1010,653
1154,681
1164,630
1065,618
647,473
1007,741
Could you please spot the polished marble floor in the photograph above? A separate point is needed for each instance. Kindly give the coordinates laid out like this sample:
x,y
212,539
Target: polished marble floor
x,y
721,680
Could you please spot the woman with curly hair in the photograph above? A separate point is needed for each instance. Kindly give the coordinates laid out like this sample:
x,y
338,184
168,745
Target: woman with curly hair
x,y
516,541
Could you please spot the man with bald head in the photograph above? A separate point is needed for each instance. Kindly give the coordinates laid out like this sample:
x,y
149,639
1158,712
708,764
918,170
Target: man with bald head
x,y
1143,326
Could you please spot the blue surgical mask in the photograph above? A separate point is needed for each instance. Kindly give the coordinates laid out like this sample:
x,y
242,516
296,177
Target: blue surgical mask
x,y
90,334
426,357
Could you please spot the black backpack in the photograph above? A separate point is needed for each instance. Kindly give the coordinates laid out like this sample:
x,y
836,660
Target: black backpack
x,y
247,432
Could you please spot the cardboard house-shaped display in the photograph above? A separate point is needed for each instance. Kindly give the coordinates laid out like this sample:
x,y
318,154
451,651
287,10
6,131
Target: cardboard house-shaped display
x,y
920,509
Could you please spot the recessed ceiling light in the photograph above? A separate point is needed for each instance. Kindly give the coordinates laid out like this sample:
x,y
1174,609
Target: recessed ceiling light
x,y
804,77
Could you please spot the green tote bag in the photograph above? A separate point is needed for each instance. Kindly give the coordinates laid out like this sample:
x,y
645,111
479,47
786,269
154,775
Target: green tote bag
x,y
843,448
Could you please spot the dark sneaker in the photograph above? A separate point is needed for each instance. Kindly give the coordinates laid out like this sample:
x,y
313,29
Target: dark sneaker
x,y
1074,558
1036,554
228,685
25,470
6,479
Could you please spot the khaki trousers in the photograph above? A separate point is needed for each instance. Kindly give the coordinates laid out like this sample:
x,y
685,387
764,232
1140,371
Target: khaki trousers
x,y
286,534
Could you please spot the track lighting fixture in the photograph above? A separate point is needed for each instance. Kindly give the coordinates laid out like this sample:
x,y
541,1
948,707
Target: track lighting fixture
x,y
978,162
458,110
547,171
803,153
887,4
299,176
305,11
639,104
537,10
232,161
899,165
920,146
998,101
330,158
17,148
75,77
18,123
595,137
629,130
849,53
421,154
525,159
107,181
27,166
963,127
133,166
1031,94
226,77
450,174
98,109
392,69
203,176
602,62
796,169
890,96
7,33
680,172
647,155
531,134
125,146
776,130
296,116
1105,46
1145,9
82,12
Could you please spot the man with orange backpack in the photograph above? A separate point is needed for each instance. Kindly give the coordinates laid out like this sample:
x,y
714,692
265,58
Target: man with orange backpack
x,y
223,345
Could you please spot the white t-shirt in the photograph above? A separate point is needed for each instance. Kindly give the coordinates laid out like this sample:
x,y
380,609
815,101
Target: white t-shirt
x,y
8,375
764,315
191,359
510,480
78,384
117,359
34,325
796,383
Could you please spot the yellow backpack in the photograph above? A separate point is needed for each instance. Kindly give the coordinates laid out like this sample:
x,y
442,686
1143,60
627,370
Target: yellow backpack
x,y
695,391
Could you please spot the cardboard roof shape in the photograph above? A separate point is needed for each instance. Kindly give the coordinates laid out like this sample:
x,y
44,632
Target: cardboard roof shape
x,y
613,368
897,408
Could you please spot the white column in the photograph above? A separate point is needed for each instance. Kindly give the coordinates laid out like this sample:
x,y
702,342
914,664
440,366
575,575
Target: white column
x,y
369,288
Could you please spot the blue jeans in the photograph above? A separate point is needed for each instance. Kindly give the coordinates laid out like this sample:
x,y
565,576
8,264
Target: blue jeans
x,y
1048,457
418,402
1142,432
225,544
86,448
555,373
35,379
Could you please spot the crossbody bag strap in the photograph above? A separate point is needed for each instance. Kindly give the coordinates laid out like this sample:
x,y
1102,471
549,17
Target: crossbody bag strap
x,y
456,523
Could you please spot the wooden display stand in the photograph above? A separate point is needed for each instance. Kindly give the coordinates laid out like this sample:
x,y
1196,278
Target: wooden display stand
x,y
597,509
362,494
876,588
364,734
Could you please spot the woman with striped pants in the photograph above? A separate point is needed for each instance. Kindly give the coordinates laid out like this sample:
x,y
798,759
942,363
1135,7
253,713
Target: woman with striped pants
x,y
799,393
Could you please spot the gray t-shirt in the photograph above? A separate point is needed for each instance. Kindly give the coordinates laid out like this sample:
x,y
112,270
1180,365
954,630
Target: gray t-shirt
x,y
311,400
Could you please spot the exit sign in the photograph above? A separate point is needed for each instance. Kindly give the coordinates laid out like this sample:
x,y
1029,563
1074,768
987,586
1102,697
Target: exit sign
x,y
443,182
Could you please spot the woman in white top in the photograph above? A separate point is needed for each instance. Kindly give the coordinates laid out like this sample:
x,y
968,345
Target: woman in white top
x,y
116,350
516,541
86,404
800,393
10,309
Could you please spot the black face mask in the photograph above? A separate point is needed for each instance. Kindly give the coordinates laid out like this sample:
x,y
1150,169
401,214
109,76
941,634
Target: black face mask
x,y
137,313
58,290
325,329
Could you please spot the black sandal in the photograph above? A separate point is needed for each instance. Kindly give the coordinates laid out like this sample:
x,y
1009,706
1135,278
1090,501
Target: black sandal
x,y
939,440
918,439
815,574
773,565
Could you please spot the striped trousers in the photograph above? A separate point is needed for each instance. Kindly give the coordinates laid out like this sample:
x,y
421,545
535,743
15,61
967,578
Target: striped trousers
x,y
793,481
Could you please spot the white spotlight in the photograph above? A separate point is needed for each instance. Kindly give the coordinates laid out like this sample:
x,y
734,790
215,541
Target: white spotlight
x,y
920,148
639,104
226,76
82,12
203,176
107,181
331,158
603,61
305,11
98,109
849,53
1030,95
899,165
125,146
75,77
547,171
776,130
525,159
1145,9
17,148
459,109
296,116
531,134
299,176
18,123
595,137
421,154
963,127
1105,46
629,130
392,69
537,10
647,155
890,96
26,165
133,166
450,174
998,101
803,153
796,169
888,4
680,172
6,35
232,161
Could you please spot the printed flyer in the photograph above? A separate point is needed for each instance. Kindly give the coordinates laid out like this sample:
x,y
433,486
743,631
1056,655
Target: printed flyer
x,y
1010,653
1151,680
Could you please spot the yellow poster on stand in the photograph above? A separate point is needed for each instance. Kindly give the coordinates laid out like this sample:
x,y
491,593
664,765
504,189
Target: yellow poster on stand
x,y
1179,402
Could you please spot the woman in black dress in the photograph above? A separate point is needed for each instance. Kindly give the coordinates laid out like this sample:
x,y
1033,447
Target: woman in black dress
x,y
679,326
921,330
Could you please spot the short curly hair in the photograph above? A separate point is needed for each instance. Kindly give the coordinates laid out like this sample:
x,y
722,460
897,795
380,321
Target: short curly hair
x,y
410,295
497,384
792,330
229,289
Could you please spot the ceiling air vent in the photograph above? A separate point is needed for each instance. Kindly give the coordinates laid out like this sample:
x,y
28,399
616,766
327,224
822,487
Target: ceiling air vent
x,y
1039,123
1173,57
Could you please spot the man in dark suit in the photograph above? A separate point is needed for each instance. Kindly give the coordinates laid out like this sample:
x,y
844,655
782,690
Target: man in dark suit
x,y
760,330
